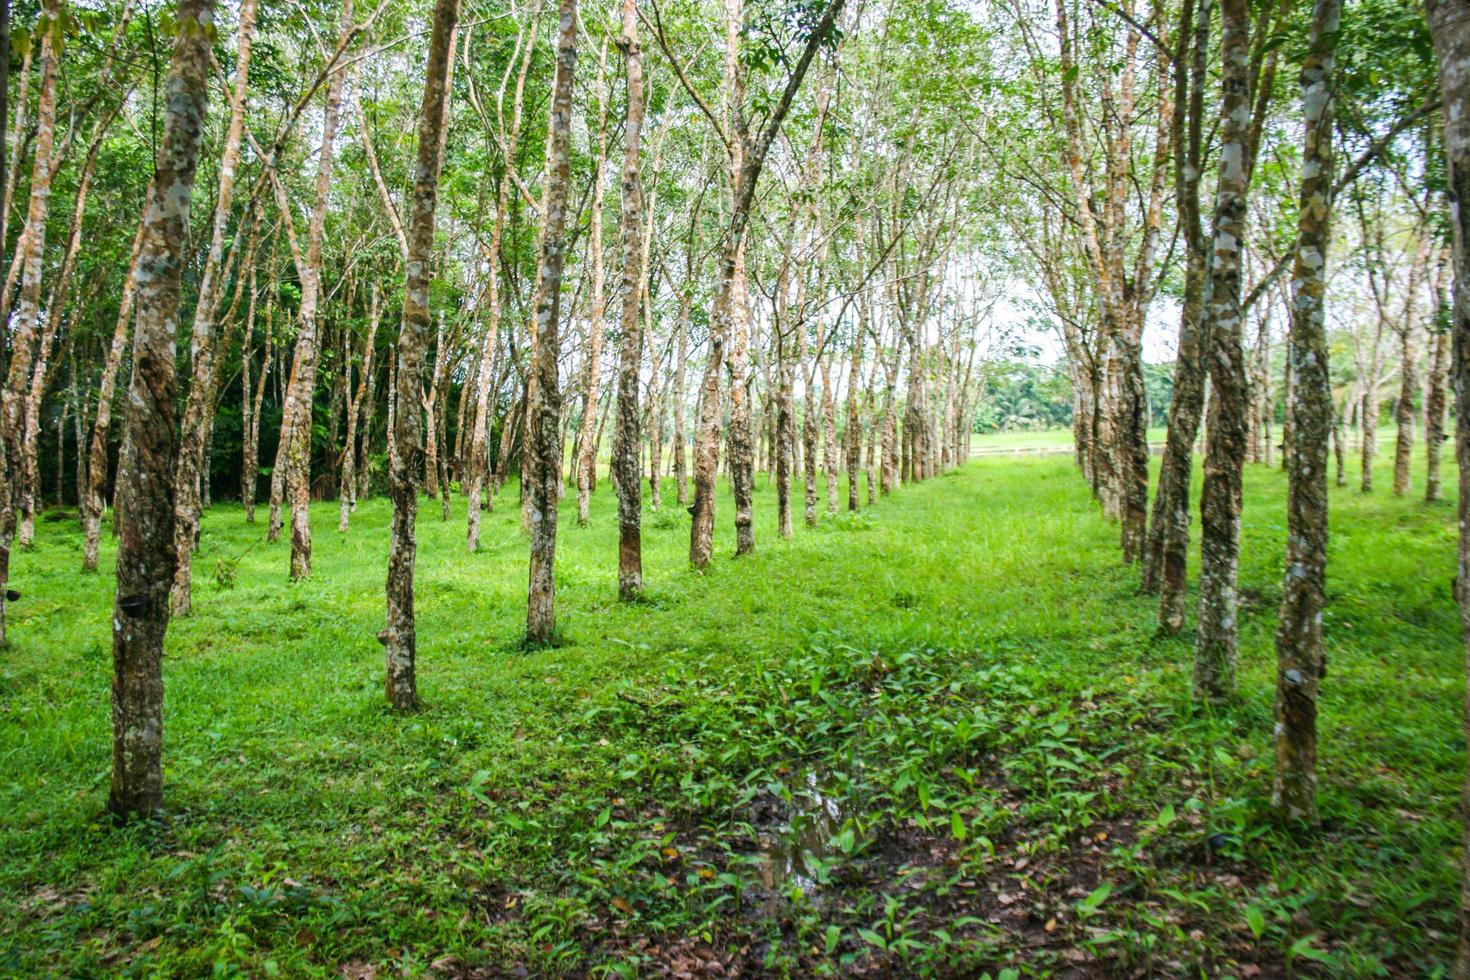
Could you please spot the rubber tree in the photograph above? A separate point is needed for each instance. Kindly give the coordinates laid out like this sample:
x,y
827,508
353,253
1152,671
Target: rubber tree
x,y
1216,642
1450,28
1300,656
145,557
399,637
543,429
626,439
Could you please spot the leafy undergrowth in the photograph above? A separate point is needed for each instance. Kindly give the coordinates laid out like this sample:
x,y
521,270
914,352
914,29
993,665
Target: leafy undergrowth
x,y
938,737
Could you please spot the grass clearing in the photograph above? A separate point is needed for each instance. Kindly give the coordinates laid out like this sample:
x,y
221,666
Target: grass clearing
x,y
940,736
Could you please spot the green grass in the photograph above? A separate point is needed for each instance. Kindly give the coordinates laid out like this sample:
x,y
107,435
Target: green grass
x,y
965,673
1039,439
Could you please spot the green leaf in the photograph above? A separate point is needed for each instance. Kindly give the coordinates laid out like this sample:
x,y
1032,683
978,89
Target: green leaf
x,y
1099,895
1256,919
1166,816
957,826
1303,947
873,938
834,936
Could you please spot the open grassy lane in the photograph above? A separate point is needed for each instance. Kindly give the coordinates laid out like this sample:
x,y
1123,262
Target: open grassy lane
x,y
938,736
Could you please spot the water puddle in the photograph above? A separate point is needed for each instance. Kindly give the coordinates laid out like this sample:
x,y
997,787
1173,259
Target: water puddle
x,y
797,840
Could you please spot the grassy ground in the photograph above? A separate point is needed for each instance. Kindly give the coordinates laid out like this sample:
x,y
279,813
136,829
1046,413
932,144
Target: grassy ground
x,y
938,737
1037,439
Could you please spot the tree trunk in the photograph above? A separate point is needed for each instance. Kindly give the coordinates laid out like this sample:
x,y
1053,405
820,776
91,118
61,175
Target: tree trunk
x,y
1216,639
28,311
681,355
1407,408
93,501
399,637
587,448
145,559
854,433
1434,415
543,414
829,434
1448,27
197,408
347,492
625,457
296,414
1300,657
55,306
250,465
479,464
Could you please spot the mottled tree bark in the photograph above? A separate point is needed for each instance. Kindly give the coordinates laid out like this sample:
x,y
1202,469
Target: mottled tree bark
x,y
1338,453
1300,657
5,114
829,433
296,414
145,559
399,636
30,250
1407,408
429,400
592,378
347,492
41,373
250,464
681,359
1449,24
479,464
854,433
1218,630
543,414
203,346
741,459
626,439
1434,415
93,501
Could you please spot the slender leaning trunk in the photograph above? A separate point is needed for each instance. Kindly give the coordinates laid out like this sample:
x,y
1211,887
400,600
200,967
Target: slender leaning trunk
x,y
399,637
145,558
1300,656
